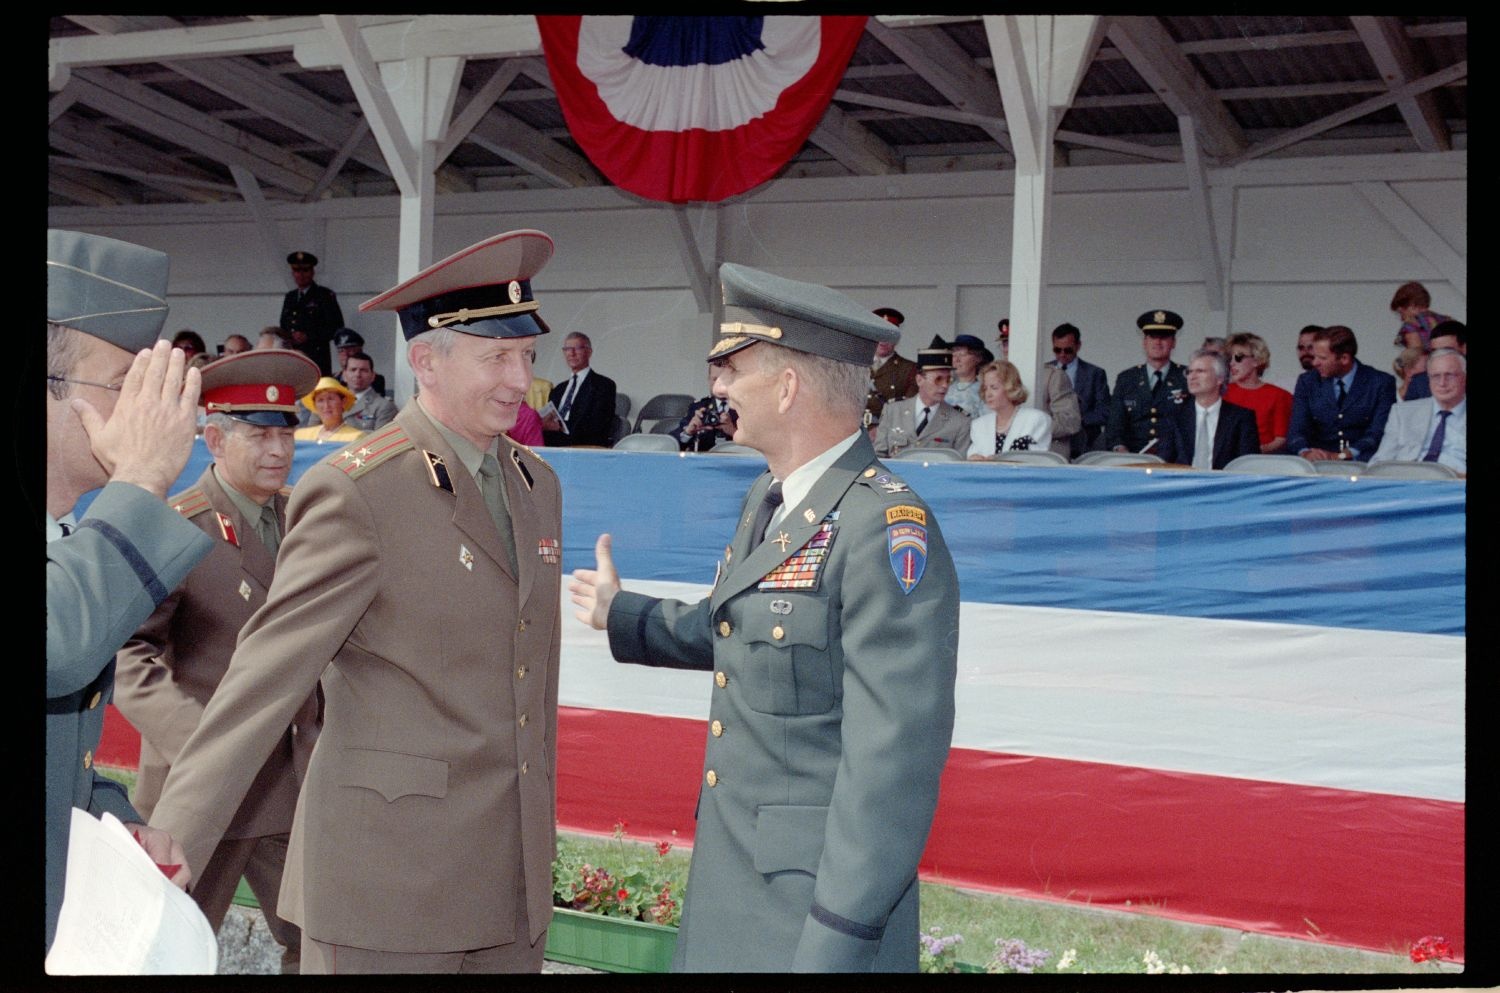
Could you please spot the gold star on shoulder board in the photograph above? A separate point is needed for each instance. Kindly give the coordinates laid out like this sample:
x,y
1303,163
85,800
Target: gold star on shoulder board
x,y
365,451
345,454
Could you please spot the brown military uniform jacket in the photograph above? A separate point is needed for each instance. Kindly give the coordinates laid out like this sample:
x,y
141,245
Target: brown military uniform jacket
x,y
430,800
166,673
895,380
1058,401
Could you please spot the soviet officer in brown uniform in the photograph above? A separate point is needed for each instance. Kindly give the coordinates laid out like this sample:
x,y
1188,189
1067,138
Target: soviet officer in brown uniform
x,y
891,376
168,671
420,578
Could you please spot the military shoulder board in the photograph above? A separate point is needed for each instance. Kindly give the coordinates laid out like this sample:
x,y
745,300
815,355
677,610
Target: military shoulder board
x,y
364,454
190,502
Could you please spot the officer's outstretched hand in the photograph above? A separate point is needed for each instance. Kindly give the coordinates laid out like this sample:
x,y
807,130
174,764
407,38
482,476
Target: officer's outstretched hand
x,y
594,590
149,435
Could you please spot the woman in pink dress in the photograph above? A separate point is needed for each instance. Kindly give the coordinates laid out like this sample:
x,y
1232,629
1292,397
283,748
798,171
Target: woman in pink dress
x,y
528,427
1248,359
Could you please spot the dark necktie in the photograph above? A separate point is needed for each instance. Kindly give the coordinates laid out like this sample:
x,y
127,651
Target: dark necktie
x,y
567,403
922,424
493,488
1338,385
1436,448
768,506
1155,380
67,529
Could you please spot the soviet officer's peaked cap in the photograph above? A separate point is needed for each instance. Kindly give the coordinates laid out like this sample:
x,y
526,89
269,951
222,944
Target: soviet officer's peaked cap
x,y
109,289
347,338
261,386
484,290
1159,323
302,258
805,316
891,314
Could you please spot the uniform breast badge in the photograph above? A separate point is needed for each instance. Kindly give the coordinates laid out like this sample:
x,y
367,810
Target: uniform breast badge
x,y
245,590
906,543
550,550
466,558
800,572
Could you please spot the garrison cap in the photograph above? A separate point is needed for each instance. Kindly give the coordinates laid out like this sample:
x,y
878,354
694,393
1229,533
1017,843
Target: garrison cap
x,y
261,386
302,258
112,290
891,314
484,290
1159,323
804,316
347,338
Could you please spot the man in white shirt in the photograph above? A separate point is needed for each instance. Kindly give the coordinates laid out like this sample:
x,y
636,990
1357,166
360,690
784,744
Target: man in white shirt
x,y
584,402
1435,428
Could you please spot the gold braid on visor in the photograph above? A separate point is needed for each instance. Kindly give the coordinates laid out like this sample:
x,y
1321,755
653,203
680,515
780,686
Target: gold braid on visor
x,y
465,314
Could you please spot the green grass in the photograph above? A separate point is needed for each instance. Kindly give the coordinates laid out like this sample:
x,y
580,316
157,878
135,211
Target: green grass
x,y
125,777
1105,940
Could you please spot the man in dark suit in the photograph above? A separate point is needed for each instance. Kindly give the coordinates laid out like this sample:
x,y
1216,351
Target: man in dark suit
x,y
310,313
1146,394
708,421
1340,406
831,631
585,401
1090,382
1210,432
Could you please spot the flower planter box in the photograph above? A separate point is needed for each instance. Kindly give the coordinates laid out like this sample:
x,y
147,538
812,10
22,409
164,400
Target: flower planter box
x,y
612,944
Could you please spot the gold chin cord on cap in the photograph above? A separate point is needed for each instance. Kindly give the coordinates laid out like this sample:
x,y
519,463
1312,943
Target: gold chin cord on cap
x,y
760,330
464,315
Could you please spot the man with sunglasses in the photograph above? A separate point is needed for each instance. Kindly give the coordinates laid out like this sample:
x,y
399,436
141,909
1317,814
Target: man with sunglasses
x,y
310,314
1090,383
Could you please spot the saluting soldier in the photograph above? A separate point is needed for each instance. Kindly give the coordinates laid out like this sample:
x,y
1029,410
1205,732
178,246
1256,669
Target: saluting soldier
x,y
1147,394
310,314
121,418
420,569
167,672
892,377
832,633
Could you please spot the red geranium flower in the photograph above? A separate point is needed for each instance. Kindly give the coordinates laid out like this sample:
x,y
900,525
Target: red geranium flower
x,y
622,895
1432,946
663,847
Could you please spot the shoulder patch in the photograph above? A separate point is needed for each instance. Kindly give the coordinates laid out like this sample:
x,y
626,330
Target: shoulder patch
x,y
190,502
360,456
905,512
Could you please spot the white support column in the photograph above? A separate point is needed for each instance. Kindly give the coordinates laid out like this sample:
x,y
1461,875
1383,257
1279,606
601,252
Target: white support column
x,y
1039,61
265,224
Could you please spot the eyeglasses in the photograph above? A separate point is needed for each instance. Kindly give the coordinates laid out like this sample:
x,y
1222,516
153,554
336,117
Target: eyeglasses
x,y
84,382
1057,350
1239,358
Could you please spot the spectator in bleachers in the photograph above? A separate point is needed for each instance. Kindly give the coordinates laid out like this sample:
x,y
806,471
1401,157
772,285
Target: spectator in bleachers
x,y
348,342
585,402
538,392
1006,425
1146,394
1210,432
892,376
969,354
1407,363
1305,345
371,410
1055,397
1339,409
1436,428
269,338
191,343
1413,304
925,420
330,400
1248,358
528,428
235,344
708,421
1449,334
1215,345
1089,382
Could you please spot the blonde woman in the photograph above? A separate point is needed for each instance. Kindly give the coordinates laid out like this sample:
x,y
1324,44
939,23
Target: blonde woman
x,y
1248,356
1006,425
330,400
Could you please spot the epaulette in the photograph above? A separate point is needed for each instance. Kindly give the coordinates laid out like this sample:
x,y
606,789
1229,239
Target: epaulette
x,y
359,457
190,502
883,481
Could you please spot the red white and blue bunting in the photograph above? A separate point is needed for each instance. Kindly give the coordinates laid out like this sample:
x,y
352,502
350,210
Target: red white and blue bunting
x,y
682,109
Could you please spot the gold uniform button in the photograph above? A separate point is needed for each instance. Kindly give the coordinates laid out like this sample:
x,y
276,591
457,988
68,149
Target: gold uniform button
x,y
521,672
521,626
95,701
717,729
88,760
724,628
523,768
720,680
778,633
869,473
523,720
713,778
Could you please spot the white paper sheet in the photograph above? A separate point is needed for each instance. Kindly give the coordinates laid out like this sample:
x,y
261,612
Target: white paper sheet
x,y
120,914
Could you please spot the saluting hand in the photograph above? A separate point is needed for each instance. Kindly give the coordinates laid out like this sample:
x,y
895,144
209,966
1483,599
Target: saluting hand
x,y
148,438
594,589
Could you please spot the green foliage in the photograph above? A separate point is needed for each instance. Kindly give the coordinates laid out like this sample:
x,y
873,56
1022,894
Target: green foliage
x,y
620,878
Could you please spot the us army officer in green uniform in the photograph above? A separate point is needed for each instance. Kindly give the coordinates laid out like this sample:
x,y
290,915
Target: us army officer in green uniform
x,y
832,644
121,418
1146,394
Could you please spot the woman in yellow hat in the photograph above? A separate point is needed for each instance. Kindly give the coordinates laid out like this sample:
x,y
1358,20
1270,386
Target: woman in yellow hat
x,y
330,400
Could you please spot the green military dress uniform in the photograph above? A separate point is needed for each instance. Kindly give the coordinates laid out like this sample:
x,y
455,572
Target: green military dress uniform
x,y
1136,410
